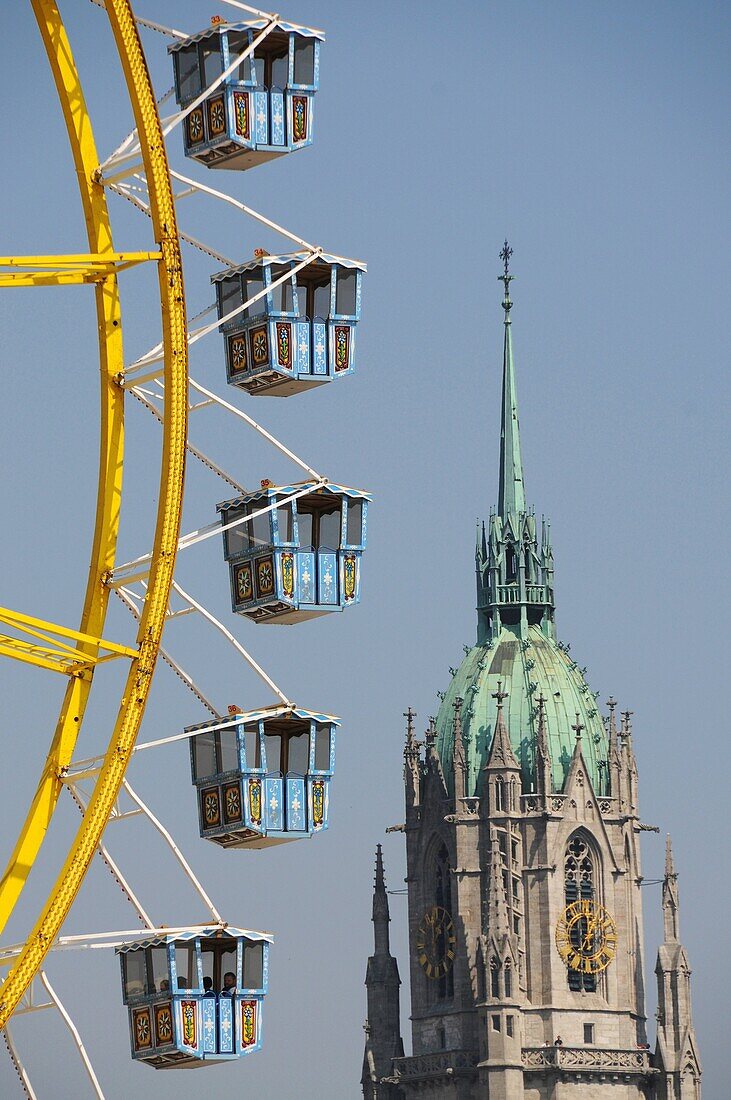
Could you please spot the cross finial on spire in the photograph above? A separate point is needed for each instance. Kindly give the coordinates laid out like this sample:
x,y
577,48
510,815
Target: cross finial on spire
x,y
578,727
505,255
506,278
409,715
500,695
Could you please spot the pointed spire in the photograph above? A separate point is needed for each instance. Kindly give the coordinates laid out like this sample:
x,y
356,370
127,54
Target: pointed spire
x,y
577,756
613,738
669,861
381,916
670,897
511,496
629,763
497,899
383,1034
676,1054
433,763
412,760
544,777
578,728
433,758
501,751
617,783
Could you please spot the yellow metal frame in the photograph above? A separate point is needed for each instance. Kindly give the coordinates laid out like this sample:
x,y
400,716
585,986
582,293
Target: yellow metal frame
x,y
48,651
64,270
152,621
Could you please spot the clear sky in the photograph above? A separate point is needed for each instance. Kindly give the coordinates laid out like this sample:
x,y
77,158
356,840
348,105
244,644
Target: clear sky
x,y
594,136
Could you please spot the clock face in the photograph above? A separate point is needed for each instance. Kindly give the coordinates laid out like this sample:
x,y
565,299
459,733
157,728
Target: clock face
x,y
436,942
586,936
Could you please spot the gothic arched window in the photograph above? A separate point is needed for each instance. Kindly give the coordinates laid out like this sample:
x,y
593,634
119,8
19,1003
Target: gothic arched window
x,y
528,564
689,1084
499,793
508,978
494,977
579,883
442,987
511,565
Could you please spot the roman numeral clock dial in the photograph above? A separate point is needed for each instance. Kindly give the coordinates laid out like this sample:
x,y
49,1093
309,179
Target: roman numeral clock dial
x,y
586,936
436,942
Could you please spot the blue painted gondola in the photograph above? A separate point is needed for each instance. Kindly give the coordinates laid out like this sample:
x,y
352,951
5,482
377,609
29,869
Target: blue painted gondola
x,y
299,559
263,778
263,108
298,334
194,996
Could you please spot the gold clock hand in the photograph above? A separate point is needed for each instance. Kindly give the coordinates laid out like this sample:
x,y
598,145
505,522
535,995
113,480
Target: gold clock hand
x,y
590,928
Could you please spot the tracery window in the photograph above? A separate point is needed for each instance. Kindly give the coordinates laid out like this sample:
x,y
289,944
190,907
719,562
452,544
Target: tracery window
x,y
499,793
511,565
443,987
579,882
508,979
494,977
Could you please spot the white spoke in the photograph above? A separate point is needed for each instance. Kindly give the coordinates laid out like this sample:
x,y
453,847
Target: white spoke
x,y
75,1035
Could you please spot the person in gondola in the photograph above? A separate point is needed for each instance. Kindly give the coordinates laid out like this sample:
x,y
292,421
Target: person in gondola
x,y
229,984
208,987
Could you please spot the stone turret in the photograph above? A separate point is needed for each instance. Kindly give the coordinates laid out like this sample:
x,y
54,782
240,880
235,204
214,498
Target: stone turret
x,y
383,1025
676,1054
500,1068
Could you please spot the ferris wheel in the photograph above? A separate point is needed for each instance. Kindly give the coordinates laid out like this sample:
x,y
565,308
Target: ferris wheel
x,y
283,323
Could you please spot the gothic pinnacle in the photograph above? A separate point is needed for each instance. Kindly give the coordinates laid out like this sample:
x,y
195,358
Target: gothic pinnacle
x,y
380,905
511,496
669,861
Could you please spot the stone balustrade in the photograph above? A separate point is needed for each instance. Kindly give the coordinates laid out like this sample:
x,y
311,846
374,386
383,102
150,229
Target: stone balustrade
x,y
432,1065
588,1059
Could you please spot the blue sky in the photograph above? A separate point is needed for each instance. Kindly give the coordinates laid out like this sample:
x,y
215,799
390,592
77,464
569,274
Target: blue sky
x,y
595,138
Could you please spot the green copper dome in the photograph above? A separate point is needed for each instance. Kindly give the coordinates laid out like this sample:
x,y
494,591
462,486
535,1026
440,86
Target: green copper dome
x,y
526,668
517,647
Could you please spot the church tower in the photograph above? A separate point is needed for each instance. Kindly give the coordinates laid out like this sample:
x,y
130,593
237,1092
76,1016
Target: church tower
x,y
676,1054
522,840
383,1023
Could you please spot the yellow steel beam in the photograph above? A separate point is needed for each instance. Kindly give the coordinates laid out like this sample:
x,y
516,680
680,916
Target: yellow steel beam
x,y
54,660
172,476
81,259
35,655
111,455
39,628
50,653
76,277
69,270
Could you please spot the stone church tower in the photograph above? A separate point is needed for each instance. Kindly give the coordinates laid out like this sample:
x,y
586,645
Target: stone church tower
x,y
522,838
